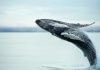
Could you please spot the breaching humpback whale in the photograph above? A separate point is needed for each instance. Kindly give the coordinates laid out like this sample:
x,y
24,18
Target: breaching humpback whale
x,y
71,32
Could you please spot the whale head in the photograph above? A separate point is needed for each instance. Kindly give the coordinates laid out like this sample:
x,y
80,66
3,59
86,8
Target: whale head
x,y
49,24
46,24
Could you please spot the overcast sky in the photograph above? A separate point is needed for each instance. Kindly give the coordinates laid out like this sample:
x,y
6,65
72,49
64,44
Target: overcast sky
x,y
23,13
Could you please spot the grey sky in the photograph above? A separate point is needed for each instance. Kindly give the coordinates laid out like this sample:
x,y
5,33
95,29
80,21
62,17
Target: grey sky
x,y
20,13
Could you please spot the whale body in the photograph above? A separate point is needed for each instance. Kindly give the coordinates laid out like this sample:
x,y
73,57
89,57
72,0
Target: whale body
x,y
71,32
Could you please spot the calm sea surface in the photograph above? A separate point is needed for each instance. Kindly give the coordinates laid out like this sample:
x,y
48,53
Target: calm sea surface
x,y
41,51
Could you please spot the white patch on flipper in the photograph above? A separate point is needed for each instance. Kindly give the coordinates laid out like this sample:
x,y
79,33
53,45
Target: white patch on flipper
x,y
71,36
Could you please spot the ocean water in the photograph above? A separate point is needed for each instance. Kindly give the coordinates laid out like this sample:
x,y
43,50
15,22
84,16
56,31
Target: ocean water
x,y
42,51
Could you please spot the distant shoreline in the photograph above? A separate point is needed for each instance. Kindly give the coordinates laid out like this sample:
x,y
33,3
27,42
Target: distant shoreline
x,y
37,29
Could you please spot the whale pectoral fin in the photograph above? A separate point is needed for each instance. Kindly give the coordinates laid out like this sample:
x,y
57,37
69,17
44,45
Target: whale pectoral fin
x,y
78,25
84,25
71,36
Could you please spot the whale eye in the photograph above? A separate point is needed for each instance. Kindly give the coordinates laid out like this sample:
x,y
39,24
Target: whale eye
x,y
37,21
